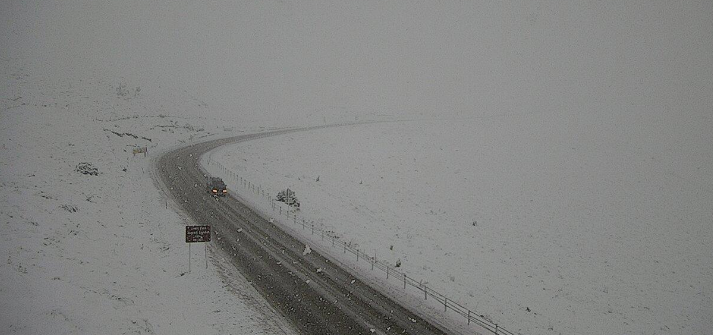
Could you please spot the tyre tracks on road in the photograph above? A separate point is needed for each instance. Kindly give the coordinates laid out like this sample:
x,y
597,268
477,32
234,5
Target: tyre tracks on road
x,y
328,301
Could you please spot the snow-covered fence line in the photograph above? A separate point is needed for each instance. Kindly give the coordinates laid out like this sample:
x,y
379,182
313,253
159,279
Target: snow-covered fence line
x,y
391,272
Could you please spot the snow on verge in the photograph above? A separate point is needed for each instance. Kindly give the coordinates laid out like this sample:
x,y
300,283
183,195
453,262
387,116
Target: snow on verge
x,y
104,252
544,229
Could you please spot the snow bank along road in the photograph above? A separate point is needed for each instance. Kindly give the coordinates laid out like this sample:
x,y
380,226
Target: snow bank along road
x,y
329,301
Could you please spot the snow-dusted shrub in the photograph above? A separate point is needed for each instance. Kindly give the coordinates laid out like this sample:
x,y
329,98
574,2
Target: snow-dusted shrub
x,y
87,168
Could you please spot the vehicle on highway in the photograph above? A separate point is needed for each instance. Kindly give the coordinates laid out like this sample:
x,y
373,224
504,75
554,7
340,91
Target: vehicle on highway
x,y
217,187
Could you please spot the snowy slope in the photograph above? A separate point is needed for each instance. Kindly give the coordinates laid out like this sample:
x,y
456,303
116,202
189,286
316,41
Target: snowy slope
x,y
103,254
598,112
563,182
542,228
85,254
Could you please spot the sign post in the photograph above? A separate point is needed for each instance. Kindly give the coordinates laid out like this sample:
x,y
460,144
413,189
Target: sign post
x,y
197,234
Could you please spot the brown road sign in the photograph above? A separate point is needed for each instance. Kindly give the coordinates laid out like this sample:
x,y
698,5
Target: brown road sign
x,y
197,234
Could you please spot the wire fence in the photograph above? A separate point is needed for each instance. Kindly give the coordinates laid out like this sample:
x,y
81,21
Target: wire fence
x,y
391,272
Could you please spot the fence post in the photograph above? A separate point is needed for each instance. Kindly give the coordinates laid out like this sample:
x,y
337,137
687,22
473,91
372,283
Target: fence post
x,y
445,305
387,272
404,281
357,253
313,229
345,247
425,293
468,316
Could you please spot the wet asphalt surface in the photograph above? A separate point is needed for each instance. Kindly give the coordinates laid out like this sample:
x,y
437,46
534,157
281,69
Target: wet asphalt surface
x,y
331,301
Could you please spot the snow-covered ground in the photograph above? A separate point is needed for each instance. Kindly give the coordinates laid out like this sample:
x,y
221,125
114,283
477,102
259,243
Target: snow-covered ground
x,y
576,136
545,229
105,254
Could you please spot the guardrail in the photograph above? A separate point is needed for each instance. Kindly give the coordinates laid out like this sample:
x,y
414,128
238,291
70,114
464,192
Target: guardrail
x,y
390,271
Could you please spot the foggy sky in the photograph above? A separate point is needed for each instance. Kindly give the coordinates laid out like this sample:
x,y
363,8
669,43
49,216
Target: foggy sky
x,y
282,58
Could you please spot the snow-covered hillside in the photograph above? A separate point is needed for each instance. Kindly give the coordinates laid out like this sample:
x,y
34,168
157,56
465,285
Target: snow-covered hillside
x,y
545,229
105,253
583,154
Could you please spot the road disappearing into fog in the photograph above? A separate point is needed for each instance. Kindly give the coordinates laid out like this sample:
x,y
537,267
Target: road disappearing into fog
x,y
329,301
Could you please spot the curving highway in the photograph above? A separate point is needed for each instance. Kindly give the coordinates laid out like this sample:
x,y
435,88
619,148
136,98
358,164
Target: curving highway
x,y
331,301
